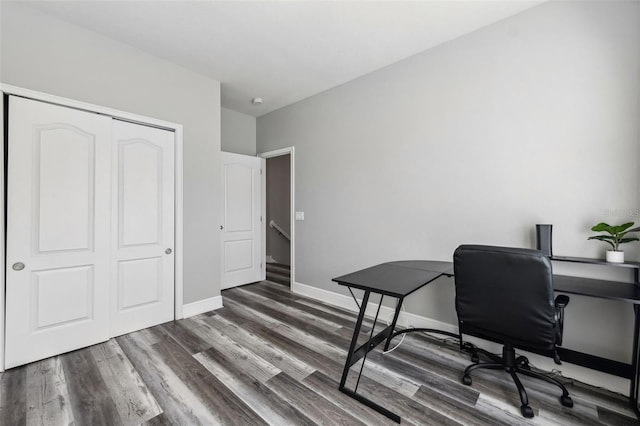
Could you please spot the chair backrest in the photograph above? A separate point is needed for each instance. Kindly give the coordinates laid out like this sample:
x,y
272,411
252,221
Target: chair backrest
x,y
505,294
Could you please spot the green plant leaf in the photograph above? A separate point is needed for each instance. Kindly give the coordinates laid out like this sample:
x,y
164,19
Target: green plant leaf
x,y
628,240
601,227
634,229
621,228
602,237
606,239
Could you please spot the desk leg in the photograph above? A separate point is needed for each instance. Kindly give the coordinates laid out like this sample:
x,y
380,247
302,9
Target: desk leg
x,y
393,323
367,347
635,362
354,339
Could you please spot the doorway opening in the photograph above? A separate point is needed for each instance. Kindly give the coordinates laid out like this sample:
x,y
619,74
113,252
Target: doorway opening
x,y
278,226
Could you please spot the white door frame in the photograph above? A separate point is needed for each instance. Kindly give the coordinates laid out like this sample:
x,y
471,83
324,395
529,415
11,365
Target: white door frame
x,y
6,89
292,206
2,240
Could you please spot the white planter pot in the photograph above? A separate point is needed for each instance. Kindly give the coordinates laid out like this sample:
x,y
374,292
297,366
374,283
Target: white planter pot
x,y
615,256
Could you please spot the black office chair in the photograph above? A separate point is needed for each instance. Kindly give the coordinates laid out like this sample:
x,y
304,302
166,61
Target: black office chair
x,y
506,295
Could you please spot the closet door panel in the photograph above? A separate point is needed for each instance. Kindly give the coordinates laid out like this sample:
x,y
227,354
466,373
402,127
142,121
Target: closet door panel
x,y
65,176
143,227
140,193
58,230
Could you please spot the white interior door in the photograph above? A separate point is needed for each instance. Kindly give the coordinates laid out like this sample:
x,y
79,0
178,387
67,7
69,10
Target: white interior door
x,y
241,228
58,230
143,227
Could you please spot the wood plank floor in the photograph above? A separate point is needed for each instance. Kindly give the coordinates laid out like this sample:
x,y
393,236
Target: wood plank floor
x,y
271,357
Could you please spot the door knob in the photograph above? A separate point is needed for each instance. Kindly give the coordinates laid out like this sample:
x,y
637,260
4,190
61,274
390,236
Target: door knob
x,y
168,251
18,266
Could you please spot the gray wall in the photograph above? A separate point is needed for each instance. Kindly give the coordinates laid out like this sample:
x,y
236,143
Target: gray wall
x,y
238,132
42,53
531,120
278,188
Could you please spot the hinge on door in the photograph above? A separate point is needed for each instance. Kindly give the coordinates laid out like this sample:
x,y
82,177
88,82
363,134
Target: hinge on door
x,y
260,171
260,219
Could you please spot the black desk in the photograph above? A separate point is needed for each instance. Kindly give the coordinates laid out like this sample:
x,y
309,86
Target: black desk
x,y
612,290
400,279
393,279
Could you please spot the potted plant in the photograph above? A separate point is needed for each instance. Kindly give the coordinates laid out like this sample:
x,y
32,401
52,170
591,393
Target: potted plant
x,y
615,235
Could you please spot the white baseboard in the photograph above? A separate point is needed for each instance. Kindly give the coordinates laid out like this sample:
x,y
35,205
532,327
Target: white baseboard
x,y
347,302
270,259
201,306
585,375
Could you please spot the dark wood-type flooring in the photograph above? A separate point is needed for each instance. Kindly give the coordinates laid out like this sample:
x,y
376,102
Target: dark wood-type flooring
x,y
272,357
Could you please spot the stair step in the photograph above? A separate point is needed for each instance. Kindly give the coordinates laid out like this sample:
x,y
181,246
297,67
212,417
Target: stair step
x,y
279,273
277,278
279,268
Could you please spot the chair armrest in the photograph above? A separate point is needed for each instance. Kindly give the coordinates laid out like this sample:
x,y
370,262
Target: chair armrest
x,y
561,302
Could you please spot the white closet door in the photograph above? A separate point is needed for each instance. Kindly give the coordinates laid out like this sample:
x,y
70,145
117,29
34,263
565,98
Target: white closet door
x,y
58,230
143,227
241,230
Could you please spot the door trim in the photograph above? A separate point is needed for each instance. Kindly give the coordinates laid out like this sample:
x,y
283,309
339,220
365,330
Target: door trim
x,y
3,117
292,206
6,89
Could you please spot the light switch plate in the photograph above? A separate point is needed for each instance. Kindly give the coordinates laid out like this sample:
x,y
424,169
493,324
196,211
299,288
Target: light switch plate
x,y
299,215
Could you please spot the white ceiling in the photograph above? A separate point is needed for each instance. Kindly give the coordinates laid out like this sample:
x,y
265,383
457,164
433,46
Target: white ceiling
x,y
282,51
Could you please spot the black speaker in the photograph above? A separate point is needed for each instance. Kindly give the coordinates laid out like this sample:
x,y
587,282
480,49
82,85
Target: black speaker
x,y
543,239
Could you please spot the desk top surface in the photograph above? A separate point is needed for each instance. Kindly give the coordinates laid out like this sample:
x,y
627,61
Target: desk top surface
x,y
446,268
401,278
397,279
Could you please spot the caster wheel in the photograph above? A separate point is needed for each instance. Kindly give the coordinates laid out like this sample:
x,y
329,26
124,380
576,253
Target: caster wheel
x,y
527,411
475,358
466,379
523,363
566,401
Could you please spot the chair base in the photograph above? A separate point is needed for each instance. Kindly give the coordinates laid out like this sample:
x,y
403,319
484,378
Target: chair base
x,y
514,365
